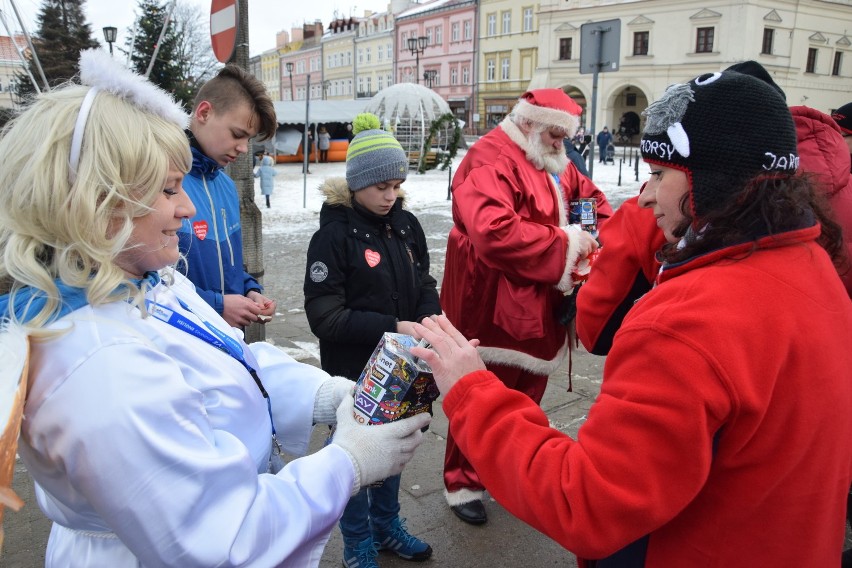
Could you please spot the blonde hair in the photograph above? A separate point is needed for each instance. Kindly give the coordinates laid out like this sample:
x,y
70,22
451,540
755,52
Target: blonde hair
x,y
51,228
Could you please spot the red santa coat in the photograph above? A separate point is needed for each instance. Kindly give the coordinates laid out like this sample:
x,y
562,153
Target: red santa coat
x,y
509,257
721,432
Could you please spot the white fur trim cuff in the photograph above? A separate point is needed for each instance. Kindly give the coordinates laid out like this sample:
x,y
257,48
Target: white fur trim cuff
x,y
572,255
511,358
463,496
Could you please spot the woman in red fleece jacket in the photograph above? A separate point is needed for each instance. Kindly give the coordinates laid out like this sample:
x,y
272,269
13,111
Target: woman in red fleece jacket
x,y
721,433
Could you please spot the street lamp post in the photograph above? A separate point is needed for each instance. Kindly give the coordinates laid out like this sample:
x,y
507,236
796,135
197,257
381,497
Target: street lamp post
x,y
430,75
417,45
289,66
109,35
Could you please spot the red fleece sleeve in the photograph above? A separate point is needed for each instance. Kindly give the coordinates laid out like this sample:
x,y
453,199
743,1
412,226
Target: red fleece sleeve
x,y
624,270
641,456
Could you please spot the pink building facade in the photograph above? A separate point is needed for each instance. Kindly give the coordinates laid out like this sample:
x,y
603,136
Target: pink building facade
x,y
443,61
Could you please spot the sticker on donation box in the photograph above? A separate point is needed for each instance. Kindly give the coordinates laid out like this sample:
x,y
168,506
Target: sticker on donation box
x,y
394,384
584,212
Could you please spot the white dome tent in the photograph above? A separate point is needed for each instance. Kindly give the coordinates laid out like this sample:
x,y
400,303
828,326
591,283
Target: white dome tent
x,y
409,111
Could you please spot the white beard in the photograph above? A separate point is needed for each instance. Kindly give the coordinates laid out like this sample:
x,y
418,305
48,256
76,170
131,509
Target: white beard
x,y
544,157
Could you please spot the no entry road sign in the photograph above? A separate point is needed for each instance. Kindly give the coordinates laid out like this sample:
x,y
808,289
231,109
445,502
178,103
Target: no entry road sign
x,y
223,28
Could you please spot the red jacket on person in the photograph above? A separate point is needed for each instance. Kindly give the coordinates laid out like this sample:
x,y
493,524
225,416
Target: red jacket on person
x,y
721,433
508,255
823,152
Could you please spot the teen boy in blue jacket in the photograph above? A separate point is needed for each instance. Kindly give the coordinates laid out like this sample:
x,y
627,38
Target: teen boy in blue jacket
x,y
230,109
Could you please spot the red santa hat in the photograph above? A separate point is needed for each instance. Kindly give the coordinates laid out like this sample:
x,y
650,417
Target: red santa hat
x,y
550,107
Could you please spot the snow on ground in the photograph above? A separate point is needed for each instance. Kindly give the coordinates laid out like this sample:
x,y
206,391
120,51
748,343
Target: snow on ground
x,y
296,201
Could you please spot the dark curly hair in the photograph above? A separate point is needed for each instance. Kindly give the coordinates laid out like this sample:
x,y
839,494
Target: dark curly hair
x,y
766,205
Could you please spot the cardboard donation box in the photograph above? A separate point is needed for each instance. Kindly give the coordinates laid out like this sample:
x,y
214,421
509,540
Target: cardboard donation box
x,y
394,383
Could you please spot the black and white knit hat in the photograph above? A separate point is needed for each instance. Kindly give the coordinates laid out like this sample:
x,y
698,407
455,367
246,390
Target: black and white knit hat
x,y
723,129
374,155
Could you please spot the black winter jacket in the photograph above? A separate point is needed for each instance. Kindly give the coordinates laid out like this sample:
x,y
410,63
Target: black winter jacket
x,y
363,274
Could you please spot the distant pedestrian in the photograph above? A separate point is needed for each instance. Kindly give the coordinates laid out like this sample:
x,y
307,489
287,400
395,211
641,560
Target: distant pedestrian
x,y
604,139
324,142
266,172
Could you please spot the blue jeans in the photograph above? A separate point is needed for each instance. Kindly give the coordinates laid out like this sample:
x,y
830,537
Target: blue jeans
x,y
376,506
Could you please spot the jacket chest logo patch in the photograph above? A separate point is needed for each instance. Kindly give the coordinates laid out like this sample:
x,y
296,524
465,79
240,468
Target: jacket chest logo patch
x,y
372,257
200,228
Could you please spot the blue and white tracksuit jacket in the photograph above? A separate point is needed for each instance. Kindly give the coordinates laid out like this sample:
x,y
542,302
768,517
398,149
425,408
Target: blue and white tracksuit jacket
x,y
212,240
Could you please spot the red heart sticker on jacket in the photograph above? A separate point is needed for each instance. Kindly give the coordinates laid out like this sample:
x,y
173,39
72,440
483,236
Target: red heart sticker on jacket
x,y
372,257
200,228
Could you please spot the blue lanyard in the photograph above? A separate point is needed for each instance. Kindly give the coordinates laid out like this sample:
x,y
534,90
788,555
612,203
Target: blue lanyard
x,y
218,339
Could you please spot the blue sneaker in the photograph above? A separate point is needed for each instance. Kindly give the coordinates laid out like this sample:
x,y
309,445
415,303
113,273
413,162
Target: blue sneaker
x,y
397,539
363,555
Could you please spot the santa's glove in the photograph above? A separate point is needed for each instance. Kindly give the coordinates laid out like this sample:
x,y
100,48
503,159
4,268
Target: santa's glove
x,y
377,451
331,393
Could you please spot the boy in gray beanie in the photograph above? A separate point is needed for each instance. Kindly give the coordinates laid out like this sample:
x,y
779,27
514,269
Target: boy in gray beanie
x,y
368,274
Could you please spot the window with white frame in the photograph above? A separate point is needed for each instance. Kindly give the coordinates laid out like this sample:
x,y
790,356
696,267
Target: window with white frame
x,y
768,41
439,35
640,42
454,31
468,29
429,36
704,40
403,41
504,68
465,75
528,19
810,66
360,55
492,24
490,68
507,22
454,76
566,45
368,54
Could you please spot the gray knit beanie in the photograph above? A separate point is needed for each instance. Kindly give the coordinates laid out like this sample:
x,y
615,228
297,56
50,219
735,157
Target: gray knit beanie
x,y
374,156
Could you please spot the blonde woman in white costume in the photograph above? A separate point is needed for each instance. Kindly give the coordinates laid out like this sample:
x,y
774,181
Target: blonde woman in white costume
x,y
151,429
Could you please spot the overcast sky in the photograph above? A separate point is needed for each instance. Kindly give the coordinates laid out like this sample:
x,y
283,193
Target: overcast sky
x,y
266,17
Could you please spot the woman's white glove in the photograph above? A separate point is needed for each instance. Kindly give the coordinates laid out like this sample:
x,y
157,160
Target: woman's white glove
x,y
377,451
330,394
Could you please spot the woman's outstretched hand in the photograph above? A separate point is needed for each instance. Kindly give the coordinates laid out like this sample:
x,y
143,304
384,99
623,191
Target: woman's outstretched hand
x,y
451,356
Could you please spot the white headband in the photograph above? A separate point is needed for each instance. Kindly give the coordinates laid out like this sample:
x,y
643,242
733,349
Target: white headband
x,y
103,73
